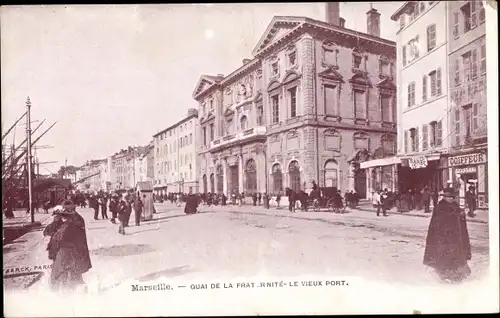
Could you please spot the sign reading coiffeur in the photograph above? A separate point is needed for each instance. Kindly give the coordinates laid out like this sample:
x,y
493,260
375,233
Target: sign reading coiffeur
x,y
465,160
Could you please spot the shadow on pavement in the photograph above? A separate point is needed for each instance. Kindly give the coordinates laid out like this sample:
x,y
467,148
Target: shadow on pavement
x,y
97,228
171,272
155,229
174,216
123,250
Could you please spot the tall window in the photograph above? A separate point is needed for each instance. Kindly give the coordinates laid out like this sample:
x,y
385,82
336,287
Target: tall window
x,y
466,66
438,82
411,94
205,186
220,179
414,139
432,76
385,104
204,136
385,68
360,104
481,12
425,137
330,56
329,99
483,59
243,123
212,132
474,64
211,104
275,68
331,174
277,178
275,109
292,58
212,183
424,88
294,173
457,72
466,14
357,60
431,37
251,177
468,120
190,138
474,119
293,101
260,115
457,126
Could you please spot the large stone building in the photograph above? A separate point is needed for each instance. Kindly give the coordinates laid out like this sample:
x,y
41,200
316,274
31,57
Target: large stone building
x,y
422,72
93,176
467,73
175,156
315,101
125,168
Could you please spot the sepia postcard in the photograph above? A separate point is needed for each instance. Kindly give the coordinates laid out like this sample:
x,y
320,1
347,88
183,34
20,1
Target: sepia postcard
x,y
250,159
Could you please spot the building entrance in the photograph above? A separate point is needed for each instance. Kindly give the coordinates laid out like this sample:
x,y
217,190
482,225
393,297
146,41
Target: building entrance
x,y
234,179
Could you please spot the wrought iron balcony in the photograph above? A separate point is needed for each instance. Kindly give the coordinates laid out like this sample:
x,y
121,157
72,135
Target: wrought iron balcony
x,y
239,137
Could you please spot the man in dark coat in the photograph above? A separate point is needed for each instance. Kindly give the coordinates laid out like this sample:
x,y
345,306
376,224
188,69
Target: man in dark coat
x,y
191,204
254,199
292,197
123,215
103,202
67,248
259,198
113,207
138,205
470,198
426,199
447,247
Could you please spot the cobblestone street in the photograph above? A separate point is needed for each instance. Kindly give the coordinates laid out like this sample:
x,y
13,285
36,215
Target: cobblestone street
x,y
246,241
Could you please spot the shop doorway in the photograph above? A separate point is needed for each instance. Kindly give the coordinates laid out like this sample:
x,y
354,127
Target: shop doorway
x,y
234,173
360,182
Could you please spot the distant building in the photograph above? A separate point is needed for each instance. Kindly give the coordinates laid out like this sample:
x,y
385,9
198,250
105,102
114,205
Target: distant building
x,y
175,168
150,158
314,102
126,167
93,176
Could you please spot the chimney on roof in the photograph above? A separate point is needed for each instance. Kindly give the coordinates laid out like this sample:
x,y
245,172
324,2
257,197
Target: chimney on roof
x,y
342,22
332,14
373,22
246,61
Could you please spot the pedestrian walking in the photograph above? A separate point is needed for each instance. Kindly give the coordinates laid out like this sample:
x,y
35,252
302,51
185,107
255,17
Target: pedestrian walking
x,y
426,199
113,207
278,199
94,204
470,198
129,202
138,205
259,198
122,210
447,248
103,202
67,249
254,199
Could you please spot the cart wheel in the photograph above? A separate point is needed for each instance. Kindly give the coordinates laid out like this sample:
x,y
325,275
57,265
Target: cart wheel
x,y
316,206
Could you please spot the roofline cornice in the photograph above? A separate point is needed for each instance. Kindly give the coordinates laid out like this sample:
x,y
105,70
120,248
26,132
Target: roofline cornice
x,y
242,70
395,15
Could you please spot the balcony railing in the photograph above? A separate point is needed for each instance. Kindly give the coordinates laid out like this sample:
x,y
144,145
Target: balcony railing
x,y
240,136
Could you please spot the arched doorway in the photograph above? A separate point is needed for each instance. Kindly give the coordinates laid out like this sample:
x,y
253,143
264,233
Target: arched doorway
x,y
360,182
331,174
205,188
220,179
251,176
277,178
212,183
294,173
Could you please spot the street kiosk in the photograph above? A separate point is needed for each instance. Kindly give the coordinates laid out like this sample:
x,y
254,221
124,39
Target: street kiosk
x,y
145,190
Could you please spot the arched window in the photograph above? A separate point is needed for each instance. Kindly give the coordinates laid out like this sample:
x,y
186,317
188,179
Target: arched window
x,y
331,173
205,188
220,179
243,122
277,178
212,183
251,177
294,172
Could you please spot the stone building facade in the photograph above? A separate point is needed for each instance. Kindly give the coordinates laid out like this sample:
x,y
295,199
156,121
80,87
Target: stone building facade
x,y
175,160
467,160
315,101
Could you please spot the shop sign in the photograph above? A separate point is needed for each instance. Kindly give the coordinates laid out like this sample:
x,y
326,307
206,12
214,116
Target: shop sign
x,y
417,162
465,160
465,170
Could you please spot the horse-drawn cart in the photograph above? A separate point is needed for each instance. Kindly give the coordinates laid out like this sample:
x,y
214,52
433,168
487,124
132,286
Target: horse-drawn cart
x,y
326,198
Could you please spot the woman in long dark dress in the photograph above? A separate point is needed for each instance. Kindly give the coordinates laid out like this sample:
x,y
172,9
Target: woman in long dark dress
x,y
67,248
448,247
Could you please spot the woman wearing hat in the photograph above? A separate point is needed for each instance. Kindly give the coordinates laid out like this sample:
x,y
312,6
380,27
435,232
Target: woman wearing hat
x,y
67,248
447,247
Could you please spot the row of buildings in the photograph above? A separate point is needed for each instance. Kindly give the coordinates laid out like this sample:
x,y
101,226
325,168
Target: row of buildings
x,y
318,101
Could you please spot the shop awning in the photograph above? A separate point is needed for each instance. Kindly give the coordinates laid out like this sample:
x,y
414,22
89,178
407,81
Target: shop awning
x,y
389,161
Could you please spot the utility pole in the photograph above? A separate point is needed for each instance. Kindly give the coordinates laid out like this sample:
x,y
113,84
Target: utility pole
x,y
28,154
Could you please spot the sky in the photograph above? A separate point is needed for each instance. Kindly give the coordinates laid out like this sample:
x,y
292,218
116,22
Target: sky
x,y
112,76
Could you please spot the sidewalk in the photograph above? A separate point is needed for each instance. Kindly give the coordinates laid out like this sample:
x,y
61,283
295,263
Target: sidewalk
x,y
481,216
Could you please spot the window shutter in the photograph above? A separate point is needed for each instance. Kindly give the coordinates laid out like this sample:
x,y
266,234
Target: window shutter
x,y
438,81
473,13
424,88
404,55
457,127
425,137
474,64
417,140
482,14
456,25
483,59
405,141
457,72
475,111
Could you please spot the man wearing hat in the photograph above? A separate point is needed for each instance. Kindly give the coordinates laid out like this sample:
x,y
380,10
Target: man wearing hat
x,y
113,207
67,248
470,198
447,247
